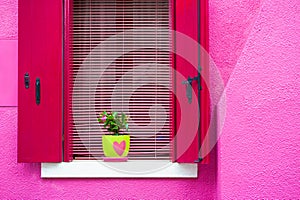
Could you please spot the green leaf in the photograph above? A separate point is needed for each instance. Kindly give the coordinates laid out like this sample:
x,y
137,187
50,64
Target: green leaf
x,y
106,123
114,114
123,118
119,123
114,122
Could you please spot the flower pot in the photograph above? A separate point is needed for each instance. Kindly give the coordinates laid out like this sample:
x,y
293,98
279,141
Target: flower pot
x,y
115,146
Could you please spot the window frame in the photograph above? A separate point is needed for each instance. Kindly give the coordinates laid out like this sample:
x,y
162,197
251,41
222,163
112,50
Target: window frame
x,y
68,20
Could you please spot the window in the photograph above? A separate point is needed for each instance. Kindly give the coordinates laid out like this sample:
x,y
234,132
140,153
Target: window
x,y
120,61
131,56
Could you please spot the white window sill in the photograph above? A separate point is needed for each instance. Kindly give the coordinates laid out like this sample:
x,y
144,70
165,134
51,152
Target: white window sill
x,y
129,169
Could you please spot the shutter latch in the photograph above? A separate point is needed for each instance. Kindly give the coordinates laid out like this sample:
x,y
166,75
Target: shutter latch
x,y
188,84
26,80
38,91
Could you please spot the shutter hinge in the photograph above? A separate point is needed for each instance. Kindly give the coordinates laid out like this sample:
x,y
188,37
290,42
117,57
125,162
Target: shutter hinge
x,y
199,160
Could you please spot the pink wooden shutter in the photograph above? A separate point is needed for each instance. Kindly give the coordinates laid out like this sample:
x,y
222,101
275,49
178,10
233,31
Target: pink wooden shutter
x,y
187,120
40,58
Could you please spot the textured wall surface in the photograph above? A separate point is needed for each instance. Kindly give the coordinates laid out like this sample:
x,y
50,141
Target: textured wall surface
x,y
8,19
259,147
255,44
230,25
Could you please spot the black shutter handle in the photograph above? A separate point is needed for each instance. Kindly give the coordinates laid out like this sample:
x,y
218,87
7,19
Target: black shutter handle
x,y
26,80
38,91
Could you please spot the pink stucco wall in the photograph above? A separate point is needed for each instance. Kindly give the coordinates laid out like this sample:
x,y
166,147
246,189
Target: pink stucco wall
x,y
255,44
259,147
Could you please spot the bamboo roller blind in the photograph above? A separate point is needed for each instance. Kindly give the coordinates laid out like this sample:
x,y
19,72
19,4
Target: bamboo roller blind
x,y
121,62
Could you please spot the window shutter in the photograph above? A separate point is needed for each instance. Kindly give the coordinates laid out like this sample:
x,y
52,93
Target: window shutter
x,y
40,66
191,117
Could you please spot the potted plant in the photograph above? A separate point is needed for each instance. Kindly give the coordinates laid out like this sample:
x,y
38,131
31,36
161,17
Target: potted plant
x,y
116,143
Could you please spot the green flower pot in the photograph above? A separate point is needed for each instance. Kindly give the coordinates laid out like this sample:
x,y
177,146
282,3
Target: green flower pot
x,y
115,146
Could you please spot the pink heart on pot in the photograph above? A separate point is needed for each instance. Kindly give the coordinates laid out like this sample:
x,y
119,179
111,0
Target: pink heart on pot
x,y
119,147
